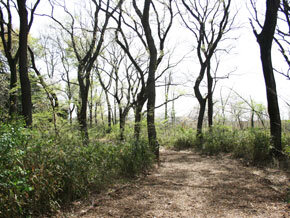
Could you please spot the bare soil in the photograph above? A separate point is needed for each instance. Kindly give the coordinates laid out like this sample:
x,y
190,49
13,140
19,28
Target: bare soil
x,y
187,184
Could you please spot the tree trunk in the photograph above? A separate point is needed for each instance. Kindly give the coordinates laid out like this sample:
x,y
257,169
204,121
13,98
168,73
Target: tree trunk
x,y
115,113
91,104
13,85
23,69
138,118
202,106
252,119
265,39
83,101
121,123
209,97
173,112
272,100
151,94
70,116
109,112
201,100
96,113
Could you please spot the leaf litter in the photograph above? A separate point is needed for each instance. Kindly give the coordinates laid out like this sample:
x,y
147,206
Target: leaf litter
x,y
187,184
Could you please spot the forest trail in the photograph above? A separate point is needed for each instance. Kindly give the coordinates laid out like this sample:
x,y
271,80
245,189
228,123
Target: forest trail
x,y
190,185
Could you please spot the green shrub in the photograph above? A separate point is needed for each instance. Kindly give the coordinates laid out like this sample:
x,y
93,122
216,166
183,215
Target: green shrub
x,y
40,171
286,144
135,156
184,139
243,147
14,177
218,139
261,145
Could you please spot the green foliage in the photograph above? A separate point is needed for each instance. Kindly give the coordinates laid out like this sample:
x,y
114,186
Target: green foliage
x,y
286,144
135,157
218,139
178,138
14,177
252,144
185,139
4,93
261,145
40,171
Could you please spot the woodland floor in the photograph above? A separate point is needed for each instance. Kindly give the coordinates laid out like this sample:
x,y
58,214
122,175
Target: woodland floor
x,y
188,184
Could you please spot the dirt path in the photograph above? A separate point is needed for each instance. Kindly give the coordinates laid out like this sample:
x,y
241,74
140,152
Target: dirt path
x,y
189,185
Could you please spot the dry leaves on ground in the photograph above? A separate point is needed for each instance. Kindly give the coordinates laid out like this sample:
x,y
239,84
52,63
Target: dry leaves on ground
x,y
190,185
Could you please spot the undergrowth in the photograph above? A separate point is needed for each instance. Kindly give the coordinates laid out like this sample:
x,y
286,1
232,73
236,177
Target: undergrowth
x,y
254,145
39,171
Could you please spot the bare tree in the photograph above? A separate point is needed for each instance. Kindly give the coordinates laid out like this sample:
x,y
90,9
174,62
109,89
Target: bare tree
x,y
86,45
50,93
25,25
265,39
282,36
106,85
168,81
8,36
143,29
209,21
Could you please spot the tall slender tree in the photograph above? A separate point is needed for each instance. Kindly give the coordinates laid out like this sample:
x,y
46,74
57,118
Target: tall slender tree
x,y
25,25
86,46
144,29
265,39
10,48
209,21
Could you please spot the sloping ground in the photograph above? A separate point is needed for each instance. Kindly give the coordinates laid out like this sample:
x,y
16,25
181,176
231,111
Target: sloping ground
x,y
190,185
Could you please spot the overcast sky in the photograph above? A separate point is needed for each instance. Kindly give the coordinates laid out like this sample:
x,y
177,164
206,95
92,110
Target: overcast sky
x,y
247,79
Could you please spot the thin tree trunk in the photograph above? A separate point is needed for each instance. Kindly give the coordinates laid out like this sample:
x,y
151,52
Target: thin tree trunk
x,y
209,97
173,112
115,113
138,118
91,103
83,100
23,69
121,123
265,39
70,116
13,91
96,112
109,112
202,107
151,93
201,101
252,119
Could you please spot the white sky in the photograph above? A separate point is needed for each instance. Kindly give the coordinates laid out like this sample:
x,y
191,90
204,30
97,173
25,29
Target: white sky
x,y
247,80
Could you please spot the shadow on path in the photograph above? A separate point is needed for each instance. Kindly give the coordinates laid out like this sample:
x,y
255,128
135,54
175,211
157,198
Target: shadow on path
x,y
190,185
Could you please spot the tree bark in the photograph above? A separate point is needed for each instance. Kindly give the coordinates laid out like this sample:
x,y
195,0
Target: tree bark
x,y
109,112
151,88
202,106
13,85
23,69
83,102
138,114
121,124
209,97
265,39
201,100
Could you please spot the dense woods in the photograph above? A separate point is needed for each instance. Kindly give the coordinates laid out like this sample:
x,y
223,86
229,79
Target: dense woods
x,y
79,102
